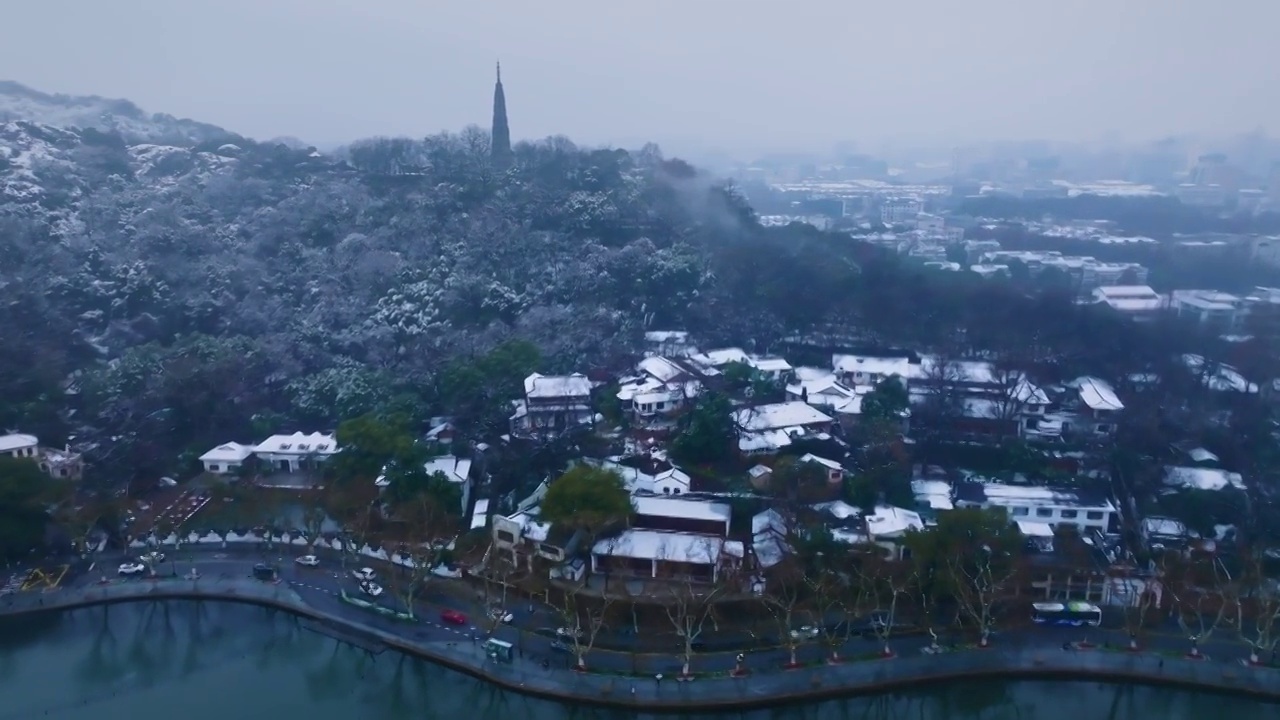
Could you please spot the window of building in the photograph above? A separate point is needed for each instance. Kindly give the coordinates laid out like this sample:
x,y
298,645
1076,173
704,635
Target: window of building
x,y
1019,511
1070,513
1104,428
213,468
666,491
1044,512
62,472
506,537
1095,514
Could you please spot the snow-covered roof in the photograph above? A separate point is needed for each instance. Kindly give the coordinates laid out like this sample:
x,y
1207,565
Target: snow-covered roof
x,y
531,527
839,509
298,444
684,509
17,441
666,336
1201,478
1202,455
680,547
812,374
1033,529
1224,379
829,464
825,390
660,368
228,452
557,386
935,493
1002,495
1096,394
768,521
479,515
890,521
639,481
717,358
779,415
767,441
456,469
882,366
769,364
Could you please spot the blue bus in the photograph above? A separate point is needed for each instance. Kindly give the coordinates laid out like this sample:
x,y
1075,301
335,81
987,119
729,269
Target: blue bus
x,y
1071,614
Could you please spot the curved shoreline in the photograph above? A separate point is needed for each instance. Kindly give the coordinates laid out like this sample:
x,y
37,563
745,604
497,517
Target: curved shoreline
x,y
764,689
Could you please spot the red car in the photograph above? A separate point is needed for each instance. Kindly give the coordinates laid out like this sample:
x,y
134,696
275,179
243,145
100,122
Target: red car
x,y
453,617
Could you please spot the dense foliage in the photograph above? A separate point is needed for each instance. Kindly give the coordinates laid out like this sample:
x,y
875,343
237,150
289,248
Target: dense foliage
x,y
160,299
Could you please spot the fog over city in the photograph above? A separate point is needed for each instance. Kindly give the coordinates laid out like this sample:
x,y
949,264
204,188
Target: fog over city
x,y
742,77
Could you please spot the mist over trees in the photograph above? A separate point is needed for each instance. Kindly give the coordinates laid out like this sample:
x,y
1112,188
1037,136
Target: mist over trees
x,y
158,300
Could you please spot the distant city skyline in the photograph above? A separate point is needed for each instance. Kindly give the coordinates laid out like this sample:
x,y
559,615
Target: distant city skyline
x,y
761,78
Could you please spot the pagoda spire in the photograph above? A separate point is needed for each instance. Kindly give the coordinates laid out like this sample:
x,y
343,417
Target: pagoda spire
x,y
500,144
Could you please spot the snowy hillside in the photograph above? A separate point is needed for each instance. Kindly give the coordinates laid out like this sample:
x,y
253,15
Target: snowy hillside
x,y
19,102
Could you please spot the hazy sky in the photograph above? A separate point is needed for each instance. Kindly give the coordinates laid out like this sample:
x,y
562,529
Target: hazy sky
x,y
736,74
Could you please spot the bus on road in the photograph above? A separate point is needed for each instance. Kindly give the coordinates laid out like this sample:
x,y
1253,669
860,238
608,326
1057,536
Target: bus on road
x,y
1072,614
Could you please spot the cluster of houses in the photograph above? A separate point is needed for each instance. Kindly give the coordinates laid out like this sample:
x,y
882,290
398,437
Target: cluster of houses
x,y
683,530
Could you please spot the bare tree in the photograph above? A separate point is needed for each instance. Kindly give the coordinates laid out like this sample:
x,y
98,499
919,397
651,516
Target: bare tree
x,y
1259,598
945,377
1198,587
1140,595
785,591
428,528
887,585
979,580
582,617
1013,393
689,601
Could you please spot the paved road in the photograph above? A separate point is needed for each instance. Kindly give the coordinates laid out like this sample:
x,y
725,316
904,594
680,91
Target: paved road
x,y
321,587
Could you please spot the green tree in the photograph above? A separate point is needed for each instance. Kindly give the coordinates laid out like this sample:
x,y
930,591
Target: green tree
x,y
368,443
886,402
23,495
707,435
587,498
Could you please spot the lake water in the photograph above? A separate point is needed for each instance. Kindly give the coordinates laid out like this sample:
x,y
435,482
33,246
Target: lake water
x,y
211,661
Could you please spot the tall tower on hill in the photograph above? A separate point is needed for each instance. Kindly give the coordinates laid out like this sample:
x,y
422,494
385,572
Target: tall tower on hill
x,y
501,141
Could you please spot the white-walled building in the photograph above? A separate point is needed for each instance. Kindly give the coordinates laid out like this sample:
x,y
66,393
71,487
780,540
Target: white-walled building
x,y
227,458
1052,506
19,445
299,451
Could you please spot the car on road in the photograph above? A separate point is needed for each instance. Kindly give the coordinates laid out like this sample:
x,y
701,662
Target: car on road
x,y
151,558
364,574
561,646
263,571
372,589
804,632
308,561
500,615
453,617
130,569
565,632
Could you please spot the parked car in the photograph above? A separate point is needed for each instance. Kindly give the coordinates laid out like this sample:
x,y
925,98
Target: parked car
x,y
445,571
500,615
453,617
372,589
364,574
565,632
804,632
132,569
560,646
308,560
151,558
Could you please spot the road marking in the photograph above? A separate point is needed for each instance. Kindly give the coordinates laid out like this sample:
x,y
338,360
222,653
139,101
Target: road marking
x,y
41,579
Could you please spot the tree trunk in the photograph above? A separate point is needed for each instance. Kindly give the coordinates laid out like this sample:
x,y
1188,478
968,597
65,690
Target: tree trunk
x,y
984,641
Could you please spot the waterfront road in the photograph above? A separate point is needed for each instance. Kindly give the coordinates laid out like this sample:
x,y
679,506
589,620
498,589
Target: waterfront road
x,y
531,628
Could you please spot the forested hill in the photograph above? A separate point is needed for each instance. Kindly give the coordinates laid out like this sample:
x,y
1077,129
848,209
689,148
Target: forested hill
x,y
167,285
